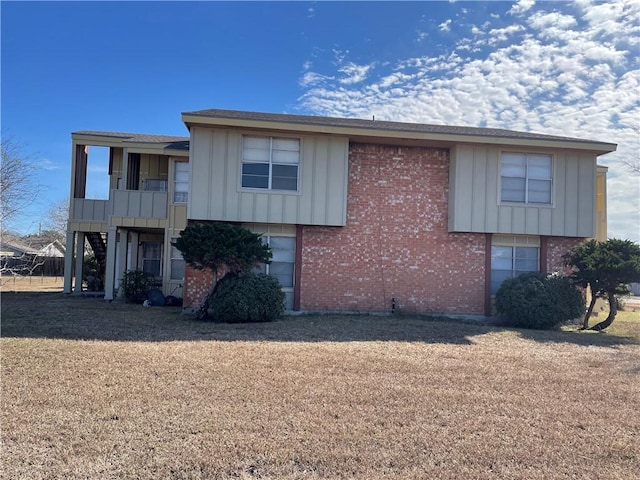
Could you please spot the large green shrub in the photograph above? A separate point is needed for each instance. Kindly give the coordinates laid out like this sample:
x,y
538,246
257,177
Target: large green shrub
x,y
538,300
135,285
247,297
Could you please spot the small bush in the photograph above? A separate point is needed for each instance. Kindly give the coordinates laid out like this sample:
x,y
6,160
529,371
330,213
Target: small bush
x,y
538,300
247,297
135,285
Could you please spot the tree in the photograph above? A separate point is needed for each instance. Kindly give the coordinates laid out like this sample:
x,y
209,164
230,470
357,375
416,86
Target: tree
x,y
18,189
606,268
221,248
56,218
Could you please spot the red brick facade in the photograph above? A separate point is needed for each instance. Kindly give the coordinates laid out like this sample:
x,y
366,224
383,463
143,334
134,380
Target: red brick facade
x,y
395,243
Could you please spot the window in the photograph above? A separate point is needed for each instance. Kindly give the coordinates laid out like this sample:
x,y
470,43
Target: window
x,y
270,163
181,182
512,256
155,185
151,258
177,264
282,264
526,178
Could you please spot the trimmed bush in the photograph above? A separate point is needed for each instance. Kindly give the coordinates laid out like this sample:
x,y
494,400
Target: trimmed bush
x,y
135,285
538,300
247,297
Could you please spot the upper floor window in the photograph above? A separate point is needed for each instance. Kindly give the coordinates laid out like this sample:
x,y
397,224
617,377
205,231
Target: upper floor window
x,y
181,182
526,178
270,163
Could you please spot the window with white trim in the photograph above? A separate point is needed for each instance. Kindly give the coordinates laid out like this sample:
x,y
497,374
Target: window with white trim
x,y
512,256
152,258
181,182
270,163
526,178
177,263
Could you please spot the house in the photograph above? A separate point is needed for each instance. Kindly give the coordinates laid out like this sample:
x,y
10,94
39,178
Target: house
x,y
360,214
38,245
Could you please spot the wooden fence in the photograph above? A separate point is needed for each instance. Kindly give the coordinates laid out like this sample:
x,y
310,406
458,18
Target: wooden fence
x,y
28,265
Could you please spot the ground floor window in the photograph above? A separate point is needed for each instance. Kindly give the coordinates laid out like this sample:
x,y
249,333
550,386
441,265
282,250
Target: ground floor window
x,y
513,255
282,266
152,258
177,263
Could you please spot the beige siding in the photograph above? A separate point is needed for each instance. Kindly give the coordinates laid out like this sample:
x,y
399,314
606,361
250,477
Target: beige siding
x,y
474,196
216,193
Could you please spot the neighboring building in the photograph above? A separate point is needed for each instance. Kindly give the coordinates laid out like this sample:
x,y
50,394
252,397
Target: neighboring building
x,y
358,213
14,246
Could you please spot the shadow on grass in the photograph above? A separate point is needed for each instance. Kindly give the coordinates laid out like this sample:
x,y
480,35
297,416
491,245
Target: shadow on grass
x,y
58,316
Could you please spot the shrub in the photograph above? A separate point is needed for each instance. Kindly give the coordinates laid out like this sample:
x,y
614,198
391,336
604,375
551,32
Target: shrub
x,y
538,300
247,297
135,285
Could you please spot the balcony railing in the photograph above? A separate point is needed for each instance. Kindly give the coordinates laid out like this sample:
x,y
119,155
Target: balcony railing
x,y
122,203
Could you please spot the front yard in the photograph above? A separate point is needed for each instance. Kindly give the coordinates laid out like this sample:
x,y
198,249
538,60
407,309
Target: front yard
x,y
98,390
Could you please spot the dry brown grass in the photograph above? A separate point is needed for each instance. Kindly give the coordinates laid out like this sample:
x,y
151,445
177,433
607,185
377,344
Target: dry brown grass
x,y
31,284
98,390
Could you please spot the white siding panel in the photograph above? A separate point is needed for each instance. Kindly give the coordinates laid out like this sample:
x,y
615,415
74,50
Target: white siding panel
x,y
571,196
478,190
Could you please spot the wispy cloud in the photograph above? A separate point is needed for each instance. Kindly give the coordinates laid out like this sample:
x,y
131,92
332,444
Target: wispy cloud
x,y
46,164
570,71
445,26
521,6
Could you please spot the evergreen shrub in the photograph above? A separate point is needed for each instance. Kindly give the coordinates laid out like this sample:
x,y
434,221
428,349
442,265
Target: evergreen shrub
x,y
539,300
247,297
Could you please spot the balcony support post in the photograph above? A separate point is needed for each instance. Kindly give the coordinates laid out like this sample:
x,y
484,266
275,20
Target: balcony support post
x,y
109,274
68,261
79,271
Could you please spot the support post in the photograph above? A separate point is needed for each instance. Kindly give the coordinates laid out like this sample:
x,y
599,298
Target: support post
x,y
77,288
109,274
68,261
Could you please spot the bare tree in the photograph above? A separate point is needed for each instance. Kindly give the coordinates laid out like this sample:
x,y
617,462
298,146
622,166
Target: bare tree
x,y
56,218
18,188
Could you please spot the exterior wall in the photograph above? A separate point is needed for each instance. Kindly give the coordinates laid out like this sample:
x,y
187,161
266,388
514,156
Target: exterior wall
x,y
601,204
396,243
197,284
556,248
216,193
474,198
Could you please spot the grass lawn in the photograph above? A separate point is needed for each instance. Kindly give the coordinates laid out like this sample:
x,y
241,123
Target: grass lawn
x,y
98,390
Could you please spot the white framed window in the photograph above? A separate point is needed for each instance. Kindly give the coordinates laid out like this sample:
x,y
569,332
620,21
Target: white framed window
x,y
177,263
512,256
270,163
152,258
282,266
155,185
181,182
526,178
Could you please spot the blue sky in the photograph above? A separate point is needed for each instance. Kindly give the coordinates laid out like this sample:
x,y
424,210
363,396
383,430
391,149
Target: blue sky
x,y
568,68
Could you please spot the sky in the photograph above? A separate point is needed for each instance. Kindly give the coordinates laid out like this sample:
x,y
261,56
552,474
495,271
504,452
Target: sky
x,y
561,68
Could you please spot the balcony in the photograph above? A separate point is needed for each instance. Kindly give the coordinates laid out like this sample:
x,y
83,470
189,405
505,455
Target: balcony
x,y
126,208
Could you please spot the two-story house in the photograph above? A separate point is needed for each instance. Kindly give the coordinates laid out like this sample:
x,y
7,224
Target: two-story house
x,y
360,214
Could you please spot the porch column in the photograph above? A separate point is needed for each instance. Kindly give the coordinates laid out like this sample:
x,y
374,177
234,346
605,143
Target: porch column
x,y
77,288
133,254
122,255
68,261
109,274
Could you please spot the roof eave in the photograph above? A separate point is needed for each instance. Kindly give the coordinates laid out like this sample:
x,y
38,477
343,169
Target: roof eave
x,y
354,132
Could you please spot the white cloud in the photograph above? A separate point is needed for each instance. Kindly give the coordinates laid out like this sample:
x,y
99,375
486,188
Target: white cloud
x,y
568,73
353,73
521,6
46,164
445,26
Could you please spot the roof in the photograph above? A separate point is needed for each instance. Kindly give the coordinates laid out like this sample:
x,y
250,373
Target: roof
x,y
375,128
166,141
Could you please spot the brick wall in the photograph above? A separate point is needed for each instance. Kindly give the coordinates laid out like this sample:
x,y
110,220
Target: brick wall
x,y
395,244
197,284
556,248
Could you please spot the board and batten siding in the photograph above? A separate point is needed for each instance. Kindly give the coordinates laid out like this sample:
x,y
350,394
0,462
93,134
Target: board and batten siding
x,y
216,193
474,195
